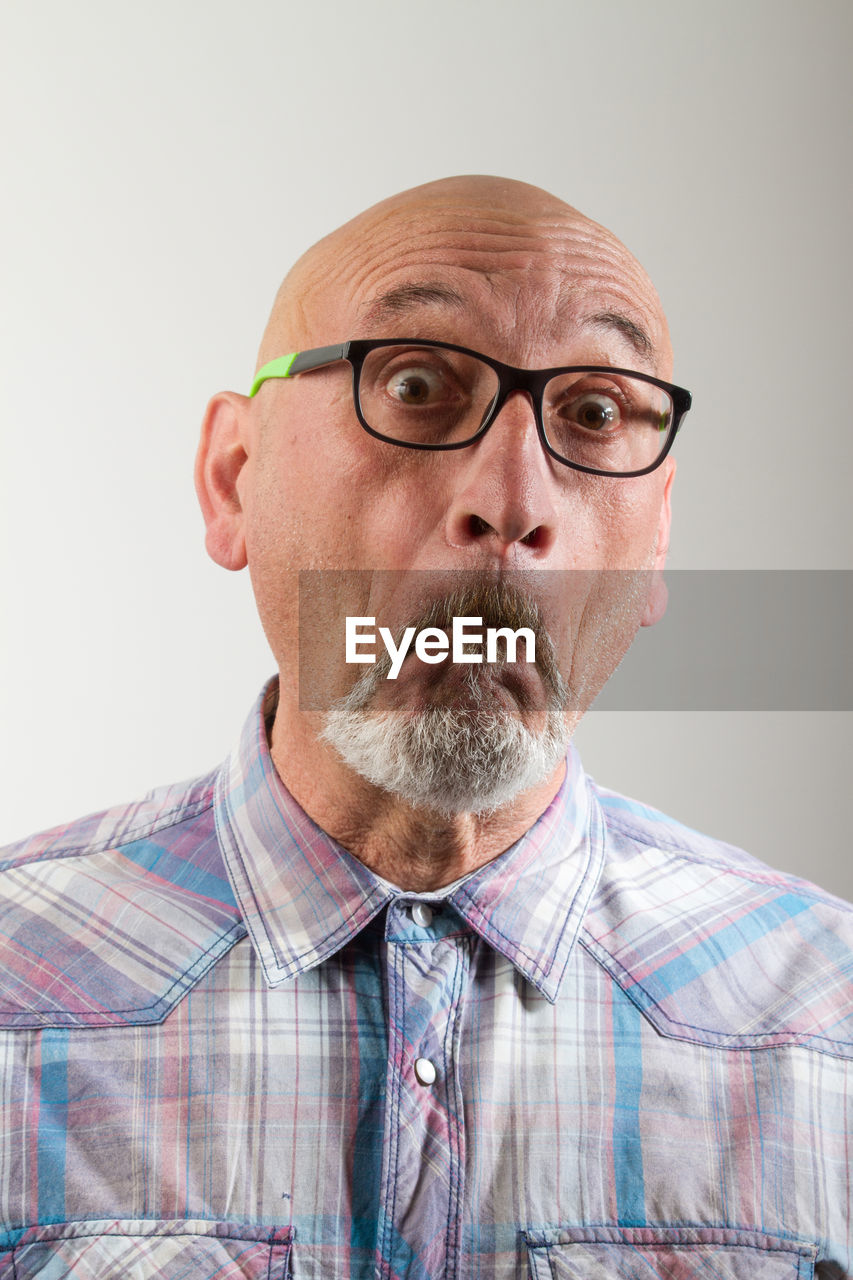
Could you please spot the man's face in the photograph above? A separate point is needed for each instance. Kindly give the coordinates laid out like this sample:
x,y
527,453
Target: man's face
x,y
321,493
318,492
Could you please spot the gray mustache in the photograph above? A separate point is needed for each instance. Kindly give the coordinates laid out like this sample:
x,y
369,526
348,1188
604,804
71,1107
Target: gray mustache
x,y
498,604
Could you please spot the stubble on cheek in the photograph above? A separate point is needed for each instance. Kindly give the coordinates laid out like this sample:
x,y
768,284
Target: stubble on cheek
x,y
607,625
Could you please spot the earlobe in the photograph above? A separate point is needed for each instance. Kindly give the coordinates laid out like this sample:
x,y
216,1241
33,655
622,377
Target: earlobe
x,y
656,601
222,455
658,590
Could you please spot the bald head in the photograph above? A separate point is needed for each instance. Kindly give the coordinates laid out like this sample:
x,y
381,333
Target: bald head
x,y
474,226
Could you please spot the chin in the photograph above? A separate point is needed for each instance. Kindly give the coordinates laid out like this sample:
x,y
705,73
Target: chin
x,y
448,759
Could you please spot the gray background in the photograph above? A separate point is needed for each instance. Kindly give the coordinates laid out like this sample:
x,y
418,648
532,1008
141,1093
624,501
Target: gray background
x,y
164,164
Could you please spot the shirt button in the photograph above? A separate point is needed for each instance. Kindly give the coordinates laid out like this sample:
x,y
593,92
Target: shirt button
x,y
425,1071
422,915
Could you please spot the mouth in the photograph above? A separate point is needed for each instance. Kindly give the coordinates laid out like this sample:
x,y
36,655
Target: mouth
x,y
481,689
518,678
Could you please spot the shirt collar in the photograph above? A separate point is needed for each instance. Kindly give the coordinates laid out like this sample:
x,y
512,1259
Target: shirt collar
x,y
303,896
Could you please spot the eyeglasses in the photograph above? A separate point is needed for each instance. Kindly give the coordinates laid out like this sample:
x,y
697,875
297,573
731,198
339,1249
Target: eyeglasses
x,y
433,395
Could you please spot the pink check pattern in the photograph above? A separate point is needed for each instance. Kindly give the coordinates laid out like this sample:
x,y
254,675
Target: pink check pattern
x,y
210,1016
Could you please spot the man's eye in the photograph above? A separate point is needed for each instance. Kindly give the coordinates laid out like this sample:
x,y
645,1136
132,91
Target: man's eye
x,y
416,386
594,412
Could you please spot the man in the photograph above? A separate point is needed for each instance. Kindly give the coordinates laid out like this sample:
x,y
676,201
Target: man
x,y
398,991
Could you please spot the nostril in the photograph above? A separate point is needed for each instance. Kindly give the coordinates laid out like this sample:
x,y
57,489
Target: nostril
x,y
478,526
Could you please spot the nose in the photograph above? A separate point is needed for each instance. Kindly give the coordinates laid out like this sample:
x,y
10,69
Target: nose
x,y
505,487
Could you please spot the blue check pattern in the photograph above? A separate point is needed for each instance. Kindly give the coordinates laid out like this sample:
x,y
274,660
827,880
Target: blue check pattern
x,y
640,1043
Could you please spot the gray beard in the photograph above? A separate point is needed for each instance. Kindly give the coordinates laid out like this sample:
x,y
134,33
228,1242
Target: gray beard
x,y
447,759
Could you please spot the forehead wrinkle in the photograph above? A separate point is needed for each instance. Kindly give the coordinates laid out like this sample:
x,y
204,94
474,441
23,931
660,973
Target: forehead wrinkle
x,y
563,309
407,237
573,264
525,285
512,322
544,266
528,308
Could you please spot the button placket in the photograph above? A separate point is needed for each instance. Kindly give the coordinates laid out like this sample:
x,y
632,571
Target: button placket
x,y
423,1159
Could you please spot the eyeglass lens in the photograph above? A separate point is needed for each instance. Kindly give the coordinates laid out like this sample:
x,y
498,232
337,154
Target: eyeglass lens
x,y
431,396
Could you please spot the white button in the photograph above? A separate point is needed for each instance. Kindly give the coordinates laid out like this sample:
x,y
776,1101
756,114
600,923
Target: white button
x,y
425,1071
422,915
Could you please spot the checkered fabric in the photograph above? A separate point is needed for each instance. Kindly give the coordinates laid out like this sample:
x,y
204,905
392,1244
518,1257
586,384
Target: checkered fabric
x,y
227,1049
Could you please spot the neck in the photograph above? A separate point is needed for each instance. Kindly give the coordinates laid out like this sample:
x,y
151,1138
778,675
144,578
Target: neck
x,y
415,849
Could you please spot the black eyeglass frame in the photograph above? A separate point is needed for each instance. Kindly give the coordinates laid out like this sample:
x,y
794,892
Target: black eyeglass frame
x,y
510,379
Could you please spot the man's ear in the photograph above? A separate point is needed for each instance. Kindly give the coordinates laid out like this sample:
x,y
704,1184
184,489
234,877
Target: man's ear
x,y
658,592
222,454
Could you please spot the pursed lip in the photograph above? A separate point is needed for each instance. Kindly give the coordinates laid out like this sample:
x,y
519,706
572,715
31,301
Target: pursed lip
x,y
480,688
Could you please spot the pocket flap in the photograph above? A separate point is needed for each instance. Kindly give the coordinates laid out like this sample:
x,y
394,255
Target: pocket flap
x,y
137,1249
678,1253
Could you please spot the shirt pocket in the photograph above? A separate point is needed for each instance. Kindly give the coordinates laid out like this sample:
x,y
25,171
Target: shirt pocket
x,y
677,1253
139,1249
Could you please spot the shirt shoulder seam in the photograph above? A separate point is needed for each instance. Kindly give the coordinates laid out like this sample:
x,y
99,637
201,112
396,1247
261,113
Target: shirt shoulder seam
x,y
706,1036
172,817
683,851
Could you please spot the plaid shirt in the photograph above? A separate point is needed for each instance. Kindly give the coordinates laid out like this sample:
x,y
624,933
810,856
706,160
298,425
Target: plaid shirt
x,y
620,1049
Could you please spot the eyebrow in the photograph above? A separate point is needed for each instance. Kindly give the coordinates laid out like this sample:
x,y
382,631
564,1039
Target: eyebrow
x,y
638,338
406,298
409,297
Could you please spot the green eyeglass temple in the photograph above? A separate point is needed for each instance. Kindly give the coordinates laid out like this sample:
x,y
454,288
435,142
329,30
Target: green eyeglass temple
x,y
298,362
279,368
